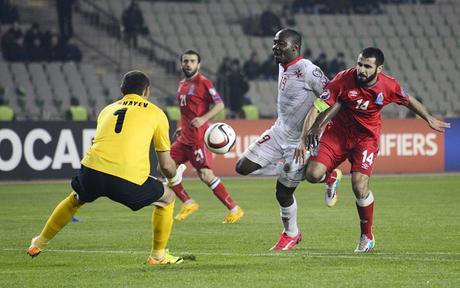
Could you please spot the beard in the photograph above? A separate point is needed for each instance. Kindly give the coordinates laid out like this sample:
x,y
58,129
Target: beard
x,y
189,74
366,80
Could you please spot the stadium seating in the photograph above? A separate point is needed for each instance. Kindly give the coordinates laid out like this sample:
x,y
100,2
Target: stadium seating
x,y
43,90
421,48
420,43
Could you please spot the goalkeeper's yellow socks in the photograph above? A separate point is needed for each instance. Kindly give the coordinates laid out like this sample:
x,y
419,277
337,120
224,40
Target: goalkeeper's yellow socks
x,y
162,221
61,215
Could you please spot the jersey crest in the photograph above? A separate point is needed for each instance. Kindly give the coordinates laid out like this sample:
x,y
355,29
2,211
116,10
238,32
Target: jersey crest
x,y
298,74
379,99
326,94
191,90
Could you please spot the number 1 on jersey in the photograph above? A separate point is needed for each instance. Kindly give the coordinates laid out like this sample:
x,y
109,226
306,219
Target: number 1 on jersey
x,y
120,113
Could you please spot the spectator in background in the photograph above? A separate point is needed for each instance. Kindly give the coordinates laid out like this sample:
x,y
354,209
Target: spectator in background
x,y
238,86
321,62
222,77
31,34
76,111
8,39
53,49
287,17
270,23
251,25
303,6
6,112
336,65
8,12
69,51
16,51
133,23
36,51
307,53
269,69
64,13
251,67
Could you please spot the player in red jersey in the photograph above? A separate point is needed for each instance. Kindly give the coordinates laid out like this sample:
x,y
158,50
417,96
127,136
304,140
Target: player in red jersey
x,y
354,100
195,95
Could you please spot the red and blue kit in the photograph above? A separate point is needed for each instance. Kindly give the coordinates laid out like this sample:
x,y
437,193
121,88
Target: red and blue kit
x,y
194,97
354,132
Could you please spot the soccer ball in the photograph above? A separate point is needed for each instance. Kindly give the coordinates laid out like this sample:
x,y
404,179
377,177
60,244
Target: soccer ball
x,y
219,138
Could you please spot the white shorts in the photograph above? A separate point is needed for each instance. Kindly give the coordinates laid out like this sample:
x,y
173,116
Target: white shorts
x,y
272,149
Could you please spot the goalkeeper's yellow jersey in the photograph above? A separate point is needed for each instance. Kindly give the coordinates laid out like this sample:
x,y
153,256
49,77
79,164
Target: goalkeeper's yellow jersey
x,y
125,130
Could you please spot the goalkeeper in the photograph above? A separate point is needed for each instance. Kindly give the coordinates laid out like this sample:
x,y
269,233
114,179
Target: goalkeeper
x,y
117,166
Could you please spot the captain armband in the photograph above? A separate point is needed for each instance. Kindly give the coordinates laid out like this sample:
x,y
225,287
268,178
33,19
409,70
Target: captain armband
x,y
320,105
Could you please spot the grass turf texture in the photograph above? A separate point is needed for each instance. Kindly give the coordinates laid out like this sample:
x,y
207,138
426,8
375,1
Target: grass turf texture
x,y
417,230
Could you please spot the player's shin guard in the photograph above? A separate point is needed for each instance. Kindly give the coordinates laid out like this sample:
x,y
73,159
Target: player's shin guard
x,y
365,208
180,192
162,222
221,193
61,215
289,219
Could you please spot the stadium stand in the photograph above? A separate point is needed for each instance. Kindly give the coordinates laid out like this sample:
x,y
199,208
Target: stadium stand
x,y
420,42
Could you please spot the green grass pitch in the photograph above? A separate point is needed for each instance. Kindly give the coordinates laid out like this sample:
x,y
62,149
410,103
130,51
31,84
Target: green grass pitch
x,y
417,230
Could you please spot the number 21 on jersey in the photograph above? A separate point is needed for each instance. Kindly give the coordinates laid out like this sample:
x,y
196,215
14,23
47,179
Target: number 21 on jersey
x,y
183,100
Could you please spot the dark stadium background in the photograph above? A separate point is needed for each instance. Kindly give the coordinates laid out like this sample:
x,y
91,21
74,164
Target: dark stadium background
x,y
38,79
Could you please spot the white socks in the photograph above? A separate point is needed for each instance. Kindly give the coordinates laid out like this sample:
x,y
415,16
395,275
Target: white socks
x,y
289,219
364,202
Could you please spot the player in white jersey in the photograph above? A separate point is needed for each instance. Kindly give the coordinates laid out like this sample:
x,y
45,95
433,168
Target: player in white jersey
x,y
300,82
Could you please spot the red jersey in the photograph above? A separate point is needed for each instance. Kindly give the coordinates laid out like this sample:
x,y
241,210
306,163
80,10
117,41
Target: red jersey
x,y
362,105
194,97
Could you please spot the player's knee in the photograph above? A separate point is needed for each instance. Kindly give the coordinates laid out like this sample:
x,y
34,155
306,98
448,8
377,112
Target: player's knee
x,y
206,175
313,175
360,188
241,169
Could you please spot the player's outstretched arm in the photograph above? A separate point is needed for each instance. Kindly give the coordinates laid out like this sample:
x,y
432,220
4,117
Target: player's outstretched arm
x,y
167,164
199,121
421,111
312,137
299,153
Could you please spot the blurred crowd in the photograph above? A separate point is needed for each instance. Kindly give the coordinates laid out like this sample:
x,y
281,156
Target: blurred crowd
x,y
269,21
35,45
254,69
31,44
347,6
8,12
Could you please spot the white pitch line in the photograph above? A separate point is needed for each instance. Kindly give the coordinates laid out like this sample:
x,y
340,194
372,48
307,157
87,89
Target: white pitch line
x,y
386,256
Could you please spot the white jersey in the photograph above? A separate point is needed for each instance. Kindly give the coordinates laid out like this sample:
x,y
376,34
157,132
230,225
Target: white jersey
x,y
299,83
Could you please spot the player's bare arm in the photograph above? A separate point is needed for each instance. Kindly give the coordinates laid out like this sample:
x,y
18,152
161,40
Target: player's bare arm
x,y
167,164
199,121
299,153
311,138
176,134
420,110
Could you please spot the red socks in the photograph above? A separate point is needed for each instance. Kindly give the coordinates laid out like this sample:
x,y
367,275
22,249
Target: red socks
x,y
219,190
180,192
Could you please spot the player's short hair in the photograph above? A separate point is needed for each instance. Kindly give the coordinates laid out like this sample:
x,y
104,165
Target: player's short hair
x,y
373,52
295,36
134,82
191,52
